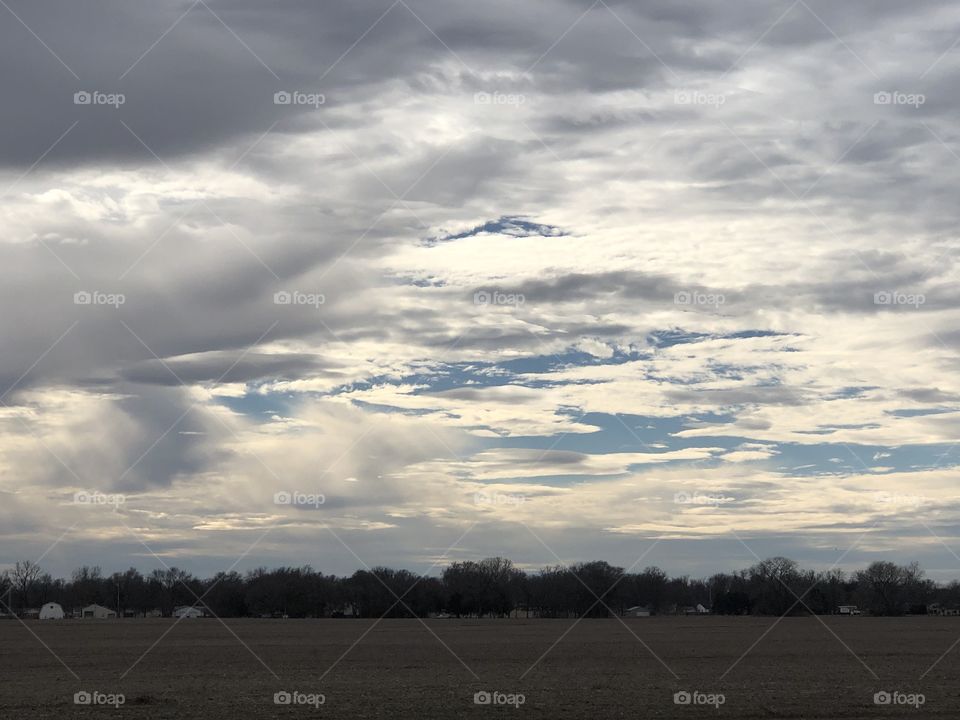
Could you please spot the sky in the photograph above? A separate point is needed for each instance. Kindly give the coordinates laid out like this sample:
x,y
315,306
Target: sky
x,y
354,284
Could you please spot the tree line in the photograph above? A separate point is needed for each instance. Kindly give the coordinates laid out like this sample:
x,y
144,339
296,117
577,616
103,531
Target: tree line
x,y
493,587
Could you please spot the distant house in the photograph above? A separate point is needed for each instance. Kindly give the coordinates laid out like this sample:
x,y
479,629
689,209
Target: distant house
x,y
637,611
345,611
187,611
938,609
848,610
697,609
97,612
51,611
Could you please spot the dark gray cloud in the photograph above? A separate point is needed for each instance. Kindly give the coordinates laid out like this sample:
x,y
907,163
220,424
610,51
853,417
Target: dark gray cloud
x,y
221,367
859,278
207,82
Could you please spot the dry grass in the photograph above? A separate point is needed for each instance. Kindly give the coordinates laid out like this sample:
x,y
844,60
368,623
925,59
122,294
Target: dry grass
x,y
400,669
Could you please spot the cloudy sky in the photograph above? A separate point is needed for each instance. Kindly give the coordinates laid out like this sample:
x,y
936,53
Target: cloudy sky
x,y
634,280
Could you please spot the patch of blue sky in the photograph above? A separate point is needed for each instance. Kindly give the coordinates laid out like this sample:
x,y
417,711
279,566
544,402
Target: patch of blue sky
x,y
623,434
915,412
830,458
449,376
513,225
261,407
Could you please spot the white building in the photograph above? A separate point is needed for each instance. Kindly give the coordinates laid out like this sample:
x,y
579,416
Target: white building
x,y
187,611
51,611
97,612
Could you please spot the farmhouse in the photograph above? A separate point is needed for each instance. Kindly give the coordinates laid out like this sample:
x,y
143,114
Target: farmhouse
x,y
187,611
97,612
637,611
51,611
938,609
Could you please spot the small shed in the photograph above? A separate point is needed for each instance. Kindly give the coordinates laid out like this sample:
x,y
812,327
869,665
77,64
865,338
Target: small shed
x,y
97,612
637,611
187,611
51,611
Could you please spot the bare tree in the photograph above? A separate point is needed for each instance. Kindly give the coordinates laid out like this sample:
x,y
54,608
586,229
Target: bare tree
x,y
884,585
24,576
6,585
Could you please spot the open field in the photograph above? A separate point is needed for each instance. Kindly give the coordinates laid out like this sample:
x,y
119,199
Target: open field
x,y
400,669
